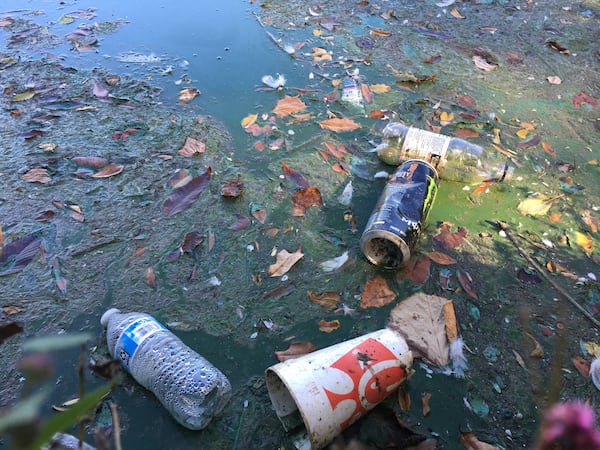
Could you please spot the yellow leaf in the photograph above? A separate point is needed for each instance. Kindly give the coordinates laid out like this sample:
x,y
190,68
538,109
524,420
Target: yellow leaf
x,y
585,241
339,125
249,120
380,88
317,32
23,96
592,348
535,206
454,12
522,133
446,118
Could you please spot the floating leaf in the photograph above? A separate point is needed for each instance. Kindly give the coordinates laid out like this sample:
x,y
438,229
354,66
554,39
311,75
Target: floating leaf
x,y
582,365
326,299
191,147
288,105
180,178
466,282
295,176
23,96
242,223
233,188
483,64
538,205
320,54
582,97
379,88
425,403
470,442
553,79
94,162
417,270
446,239
329,326
151,277
303,199
183,197
440,258
249,120
585,241
36,175
100,90
295,350
188,94
339,125
259,212
108,171
376,293
284,262
531,142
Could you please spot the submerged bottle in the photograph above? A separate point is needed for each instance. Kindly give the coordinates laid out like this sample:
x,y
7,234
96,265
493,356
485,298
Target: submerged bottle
x,y
455,159
187,385
400,214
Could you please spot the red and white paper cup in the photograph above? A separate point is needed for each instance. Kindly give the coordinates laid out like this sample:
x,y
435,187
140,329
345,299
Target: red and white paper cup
x,y
331,388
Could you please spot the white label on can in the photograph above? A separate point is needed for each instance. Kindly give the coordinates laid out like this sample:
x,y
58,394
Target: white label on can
x,y
133,336
422,144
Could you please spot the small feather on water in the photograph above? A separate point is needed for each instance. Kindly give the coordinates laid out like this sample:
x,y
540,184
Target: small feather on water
x,y
459,361
274,83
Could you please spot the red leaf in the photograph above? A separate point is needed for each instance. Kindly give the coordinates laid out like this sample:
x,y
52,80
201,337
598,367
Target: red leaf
x,y
466,282
582,97
417,270
183,197
447,240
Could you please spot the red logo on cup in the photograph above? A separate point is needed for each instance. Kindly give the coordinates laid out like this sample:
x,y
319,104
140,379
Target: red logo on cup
x,y
372,373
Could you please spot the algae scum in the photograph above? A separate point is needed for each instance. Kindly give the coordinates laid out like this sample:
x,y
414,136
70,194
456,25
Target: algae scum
x,y
109,113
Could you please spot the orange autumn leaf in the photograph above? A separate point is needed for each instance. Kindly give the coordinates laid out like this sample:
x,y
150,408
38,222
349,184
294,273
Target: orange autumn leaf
x,y
416,270
329,326
582,365
327,299
548,148
288,105
555,217
379,32
284,262
249,120
380,88
376,293
440,258
404,398
483,187
191,147
295,350
470,442
585,241
338,125
465,133
454,13
367,94
304,199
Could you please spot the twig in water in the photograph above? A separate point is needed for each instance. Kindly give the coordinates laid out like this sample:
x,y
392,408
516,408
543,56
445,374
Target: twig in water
x,y
116,425
506,228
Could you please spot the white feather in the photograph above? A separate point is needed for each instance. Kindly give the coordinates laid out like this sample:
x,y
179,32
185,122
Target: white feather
x,y
335,263
346,196
274,83
459,362
595,372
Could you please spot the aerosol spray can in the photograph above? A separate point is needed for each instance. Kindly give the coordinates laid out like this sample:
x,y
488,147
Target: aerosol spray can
x,y
400,214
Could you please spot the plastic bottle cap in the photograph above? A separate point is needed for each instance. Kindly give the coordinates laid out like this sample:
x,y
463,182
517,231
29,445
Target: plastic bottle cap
x,y
106,316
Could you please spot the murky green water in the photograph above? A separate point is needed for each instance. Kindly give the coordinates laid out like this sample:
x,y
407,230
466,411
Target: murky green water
x,y
222,49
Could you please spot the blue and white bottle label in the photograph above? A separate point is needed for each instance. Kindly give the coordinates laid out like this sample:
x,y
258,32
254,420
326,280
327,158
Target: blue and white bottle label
x,y
133,336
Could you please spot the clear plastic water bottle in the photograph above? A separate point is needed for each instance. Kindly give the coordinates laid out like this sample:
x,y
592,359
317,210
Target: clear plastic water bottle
x,y
455,159
188,386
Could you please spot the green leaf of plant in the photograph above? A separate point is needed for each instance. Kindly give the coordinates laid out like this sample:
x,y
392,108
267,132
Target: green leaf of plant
x,y
57,342
24,412
62,421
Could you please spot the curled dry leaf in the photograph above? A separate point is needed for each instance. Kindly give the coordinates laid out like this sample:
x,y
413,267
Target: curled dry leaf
x,y
466,283
338,125
328,299
295,350
303,199
376,293
404,398
537,352
191,147
233,188
188,94
36,175
108,171
284,262
329,326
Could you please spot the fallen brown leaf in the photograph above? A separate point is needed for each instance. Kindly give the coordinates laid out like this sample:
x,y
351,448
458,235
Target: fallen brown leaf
x,y
284,262
36,175
295,350
376,293
425,403
327,299
470,442
338,125
288,105
329,326
191,147
303,199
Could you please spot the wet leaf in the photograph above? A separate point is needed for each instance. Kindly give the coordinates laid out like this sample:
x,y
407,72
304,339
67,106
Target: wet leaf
x,y
284,262
585,241
303,199
95,162
454,13
295,350
108,171
288,105
242,223
329,326
465,101
537,351
180,178
379,88
233,188
8,330
582,365
376,293
182,198
23,96
447,239
294,176
191,147
259,213
417,270
12,310
328,299
404,401
151,277
249,120
483,64
531,142
466,282
559,48
581,98
470,442
191,240
338,125
188,94
425,403
36,175
536,206
379,32
367,94
320,54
